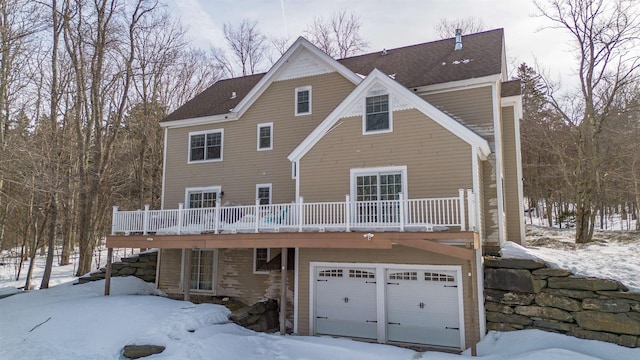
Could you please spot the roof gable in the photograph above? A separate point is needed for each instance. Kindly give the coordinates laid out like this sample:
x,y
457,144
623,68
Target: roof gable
x,y
307,53
401,99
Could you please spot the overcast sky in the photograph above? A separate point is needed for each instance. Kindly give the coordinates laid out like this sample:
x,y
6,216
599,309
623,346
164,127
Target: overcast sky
x,y
390,24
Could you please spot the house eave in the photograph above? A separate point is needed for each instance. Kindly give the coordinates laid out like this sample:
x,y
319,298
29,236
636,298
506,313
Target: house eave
x,y
203,120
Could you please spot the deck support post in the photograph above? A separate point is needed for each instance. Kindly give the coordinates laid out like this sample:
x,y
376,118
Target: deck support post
x,y
107,276
186,281
283,290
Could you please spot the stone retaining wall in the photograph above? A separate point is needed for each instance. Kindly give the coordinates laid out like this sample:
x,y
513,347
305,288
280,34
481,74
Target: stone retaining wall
x,y
142,266
526,294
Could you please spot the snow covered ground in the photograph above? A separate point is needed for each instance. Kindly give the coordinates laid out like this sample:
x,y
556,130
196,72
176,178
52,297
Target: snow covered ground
x,y
77,322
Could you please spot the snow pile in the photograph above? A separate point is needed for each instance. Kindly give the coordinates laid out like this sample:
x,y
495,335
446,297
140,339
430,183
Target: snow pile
x,y
78,322
612,255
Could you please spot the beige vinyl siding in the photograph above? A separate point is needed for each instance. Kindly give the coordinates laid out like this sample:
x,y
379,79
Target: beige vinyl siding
x,y
397,255
510,175
472,107
438,162
243,166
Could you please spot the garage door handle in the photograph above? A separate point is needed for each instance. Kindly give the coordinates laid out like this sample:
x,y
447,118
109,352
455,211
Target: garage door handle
x,y
322,280
446,285
369,282
372,321
390,283
321,317
393,323
452,328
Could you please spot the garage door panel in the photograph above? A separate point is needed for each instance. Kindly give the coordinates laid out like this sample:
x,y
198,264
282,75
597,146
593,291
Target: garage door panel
x,y
422,307
346,302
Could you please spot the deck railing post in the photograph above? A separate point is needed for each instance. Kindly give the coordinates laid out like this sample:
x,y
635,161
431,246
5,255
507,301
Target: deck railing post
x,y
257,215
347,213
180,208
216,221
300,213
401,209
145,220
114,223
471,203
462,212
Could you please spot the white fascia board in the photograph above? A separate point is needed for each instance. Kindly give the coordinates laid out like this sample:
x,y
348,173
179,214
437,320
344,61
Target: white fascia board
x,y
460,84
423,106
199,120
272,74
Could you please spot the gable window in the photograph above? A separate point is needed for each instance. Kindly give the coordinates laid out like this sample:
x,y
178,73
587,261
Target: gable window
x,y
261,257
265,136
202,270
303,100
206,145
263,193
377,116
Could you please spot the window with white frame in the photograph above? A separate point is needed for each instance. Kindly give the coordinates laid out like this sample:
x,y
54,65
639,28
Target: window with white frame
x,y
265,136
303,100
206,145
201,197
377,116
261,257
373,189
263,193
202,270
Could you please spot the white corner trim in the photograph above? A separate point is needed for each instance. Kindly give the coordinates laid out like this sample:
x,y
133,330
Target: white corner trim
x,y
164,167
375,78
475,166
499,173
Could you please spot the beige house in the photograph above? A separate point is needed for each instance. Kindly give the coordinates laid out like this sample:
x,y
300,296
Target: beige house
x,y
381,177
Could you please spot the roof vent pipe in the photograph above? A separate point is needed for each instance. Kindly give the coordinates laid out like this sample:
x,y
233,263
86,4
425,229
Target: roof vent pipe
x,y
233,94
458,39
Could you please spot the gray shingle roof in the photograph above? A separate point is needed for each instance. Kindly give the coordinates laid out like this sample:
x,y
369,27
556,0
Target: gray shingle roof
x,y
416,65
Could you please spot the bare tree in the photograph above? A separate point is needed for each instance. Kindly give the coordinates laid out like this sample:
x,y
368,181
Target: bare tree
x,y
247,45
604,33
339,36
447,28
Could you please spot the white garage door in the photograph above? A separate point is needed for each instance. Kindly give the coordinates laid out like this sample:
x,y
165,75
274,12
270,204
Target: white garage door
x,y
422,307
345,301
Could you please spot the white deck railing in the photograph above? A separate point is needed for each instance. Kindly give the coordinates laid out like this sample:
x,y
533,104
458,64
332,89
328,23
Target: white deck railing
x,y
430,214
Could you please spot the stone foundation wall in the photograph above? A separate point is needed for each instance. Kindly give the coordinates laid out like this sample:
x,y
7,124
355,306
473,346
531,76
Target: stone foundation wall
x,y
526,294
142,266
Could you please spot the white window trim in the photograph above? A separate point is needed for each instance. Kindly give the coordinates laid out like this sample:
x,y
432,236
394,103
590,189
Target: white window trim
x,y
379,170
364,116
270,186
260,126
216,189
214,269
300,89
221,131
255,252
